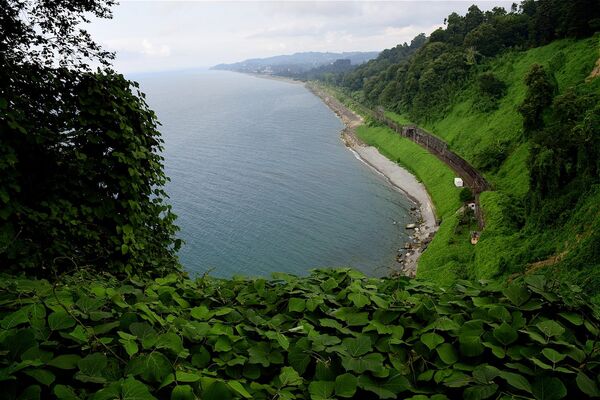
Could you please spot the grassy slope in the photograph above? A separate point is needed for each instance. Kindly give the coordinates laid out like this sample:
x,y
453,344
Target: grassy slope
x,y
504,248
469,131
438,178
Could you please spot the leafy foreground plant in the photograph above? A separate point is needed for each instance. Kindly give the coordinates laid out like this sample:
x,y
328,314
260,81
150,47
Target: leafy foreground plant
x,y
333,334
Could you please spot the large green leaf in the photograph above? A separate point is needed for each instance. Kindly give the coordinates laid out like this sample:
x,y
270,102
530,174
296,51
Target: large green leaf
x,y
480,392
553,355
447,353
43,376
133,389
65,361
485,373
321,390
368,362
144,333
152,367
63,392
587,385
16,318
296,305
60,320
550,328
517,294
32,392
183,392
239,388
356,347
505,334
366,383
359,300
299,357
187,377
217,391
432,340
92,367
345,385
516,381
289,377
548,388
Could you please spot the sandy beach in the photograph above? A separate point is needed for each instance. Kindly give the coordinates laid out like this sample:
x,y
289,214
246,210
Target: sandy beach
x,y
399,177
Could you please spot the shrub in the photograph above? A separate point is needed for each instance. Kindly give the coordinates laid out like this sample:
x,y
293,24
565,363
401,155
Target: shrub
x,y
332,334
465,195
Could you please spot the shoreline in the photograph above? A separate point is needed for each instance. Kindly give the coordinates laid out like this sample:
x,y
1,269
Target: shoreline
x,y
400,178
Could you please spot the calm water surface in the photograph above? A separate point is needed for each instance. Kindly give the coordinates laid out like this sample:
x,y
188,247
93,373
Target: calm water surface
x,y
261,181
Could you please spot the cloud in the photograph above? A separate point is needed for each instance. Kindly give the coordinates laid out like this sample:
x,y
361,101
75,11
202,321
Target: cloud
x,y
153,50
136,47
163,35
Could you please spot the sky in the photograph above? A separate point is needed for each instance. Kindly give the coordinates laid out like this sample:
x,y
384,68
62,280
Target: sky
x,y
171,35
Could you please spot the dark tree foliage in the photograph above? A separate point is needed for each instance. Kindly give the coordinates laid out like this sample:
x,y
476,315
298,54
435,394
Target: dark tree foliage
x,y
540,92
357,78
81,174
484,39
489,85
565,152
46,33
423,84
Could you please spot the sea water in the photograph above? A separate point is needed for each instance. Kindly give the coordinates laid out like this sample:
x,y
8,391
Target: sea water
x,y
261,181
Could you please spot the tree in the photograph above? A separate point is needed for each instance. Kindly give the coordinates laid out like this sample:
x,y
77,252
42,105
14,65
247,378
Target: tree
x,y
540,92
81,175
47,33
484,39
473,18
581,16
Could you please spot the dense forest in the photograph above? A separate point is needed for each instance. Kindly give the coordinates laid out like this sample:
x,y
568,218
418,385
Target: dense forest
x,y
94,303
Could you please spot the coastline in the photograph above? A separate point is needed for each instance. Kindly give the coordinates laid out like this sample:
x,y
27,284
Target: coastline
x,y
399,178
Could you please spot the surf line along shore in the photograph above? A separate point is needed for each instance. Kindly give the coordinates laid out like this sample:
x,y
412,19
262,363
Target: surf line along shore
x,y
399,177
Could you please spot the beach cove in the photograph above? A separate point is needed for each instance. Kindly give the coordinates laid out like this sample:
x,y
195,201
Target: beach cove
x,y
398,176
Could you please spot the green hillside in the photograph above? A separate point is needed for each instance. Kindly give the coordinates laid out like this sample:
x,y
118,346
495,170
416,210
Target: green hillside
x,y
538,215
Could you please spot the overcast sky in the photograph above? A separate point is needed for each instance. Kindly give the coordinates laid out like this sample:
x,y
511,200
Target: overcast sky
x,y
169,35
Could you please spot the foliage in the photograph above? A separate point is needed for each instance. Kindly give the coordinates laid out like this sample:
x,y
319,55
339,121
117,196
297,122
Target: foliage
x,y
424,84
357,78
81,177
45,33
333,334
540,92
491,89
564,156
465,195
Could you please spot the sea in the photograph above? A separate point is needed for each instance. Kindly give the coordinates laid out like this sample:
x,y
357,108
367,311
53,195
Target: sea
x,y
261,182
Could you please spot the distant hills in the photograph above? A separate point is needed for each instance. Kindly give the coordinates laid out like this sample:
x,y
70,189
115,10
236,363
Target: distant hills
x,y
297,63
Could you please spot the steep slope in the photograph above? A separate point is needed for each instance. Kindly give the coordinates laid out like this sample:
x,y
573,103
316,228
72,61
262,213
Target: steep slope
x,y
490,135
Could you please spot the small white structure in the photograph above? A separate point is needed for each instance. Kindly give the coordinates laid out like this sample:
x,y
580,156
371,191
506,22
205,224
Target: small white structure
x,y
458,182
472,206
